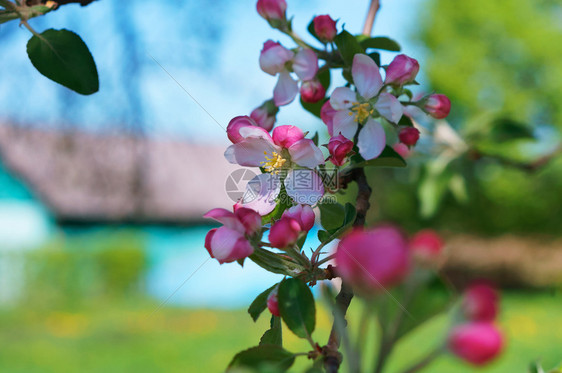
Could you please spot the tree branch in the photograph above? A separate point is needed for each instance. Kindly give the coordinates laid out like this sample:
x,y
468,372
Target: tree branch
x,y
64,2
370,19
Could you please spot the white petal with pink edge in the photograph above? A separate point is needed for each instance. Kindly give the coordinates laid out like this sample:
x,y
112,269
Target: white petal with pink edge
x,y
285,90
372,140
261,193
225,217
304,186
342,98
345,124
250,152
305,64
389,107
306,154
366,76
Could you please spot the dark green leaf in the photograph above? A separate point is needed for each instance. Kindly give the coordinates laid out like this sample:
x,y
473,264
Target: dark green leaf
x,y
405,121
315,138
388,158
376,56
506,129
296,306
350,213
324,77
264,358
260,303
380,42
313,109
323,236
274,335
63,57
348,46
332,215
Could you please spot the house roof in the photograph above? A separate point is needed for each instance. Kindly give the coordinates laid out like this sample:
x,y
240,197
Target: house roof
x,y
84,177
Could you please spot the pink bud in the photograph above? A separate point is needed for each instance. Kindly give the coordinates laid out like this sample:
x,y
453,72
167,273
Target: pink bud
x,y
339,147
208,239
402,70
273,57
402,149
273,303
325,27
372,260
234,126
284,232
477,342
327,114
409,136
480,302
227,245
285,136
264,115
438,106
250,219
427,242
312,91
272,10
303,214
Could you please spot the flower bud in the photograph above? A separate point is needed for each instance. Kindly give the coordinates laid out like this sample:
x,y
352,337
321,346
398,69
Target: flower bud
x,y
438,106
234,126
325,28
372,260
286,135
284,232
401,149
264,115
250,219
327,114
339,147
409,136
480,302
312,91
227,245
303,214
477,342
273,303
272,10
427,243
273,57
402,70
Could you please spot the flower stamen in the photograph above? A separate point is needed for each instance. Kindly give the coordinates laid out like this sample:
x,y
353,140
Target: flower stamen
x,y
273,163
361,111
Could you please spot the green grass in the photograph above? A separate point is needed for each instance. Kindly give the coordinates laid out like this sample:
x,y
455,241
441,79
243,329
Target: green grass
x,y
131,338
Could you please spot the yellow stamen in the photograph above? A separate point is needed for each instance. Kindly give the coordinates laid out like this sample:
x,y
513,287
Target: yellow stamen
x,y
274,163
361,111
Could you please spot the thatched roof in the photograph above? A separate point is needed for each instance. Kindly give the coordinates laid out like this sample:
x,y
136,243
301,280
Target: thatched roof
x,y
84,177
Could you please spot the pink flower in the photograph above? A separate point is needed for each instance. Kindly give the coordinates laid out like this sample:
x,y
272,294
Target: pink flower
x,y
276,153
312,91
325,27
272,10
409,136
234,126
273,302
273,57
401,149
438,106
356,108
303,214
284,232
371,260
339,147
327,114
480,302
401,70
426,243
264,115
230,242
477,342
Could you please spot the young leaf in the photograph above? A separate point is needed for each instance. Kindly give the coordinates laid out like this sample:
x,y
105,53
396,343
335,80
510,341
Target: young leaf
x,y
348,46
63,57
380,42
273,335
331,215
274,263
264,358
296,306
388,158
259,304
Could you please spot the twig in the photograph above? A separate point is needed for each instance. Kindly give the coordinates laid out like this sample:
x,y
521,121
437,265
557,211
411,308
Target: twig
x,y
370,19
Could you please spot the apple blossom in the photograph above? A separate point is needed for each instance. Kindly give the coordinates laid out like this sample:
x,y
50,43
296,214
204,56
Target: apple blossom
x,y
264,115
325,28
233,128
273,303
273,57
312,91
339,147
426,243
476,342
303,214
272,10
409,136
402,70
284,232
438,106
371,260
480,302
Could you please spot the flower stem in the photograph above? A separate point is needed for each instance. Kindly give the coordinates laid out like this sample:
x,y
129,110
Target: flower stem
x,y
370,19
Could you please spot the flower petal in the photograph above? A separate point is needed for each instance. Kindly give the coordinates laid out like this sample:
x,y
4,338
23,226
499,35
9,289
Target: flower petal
x,y
285,90
305,64
228,245
306,154
304,186
345,124
250,152
261,193
342,98
225,217
389,107
372,140
366,76
273,58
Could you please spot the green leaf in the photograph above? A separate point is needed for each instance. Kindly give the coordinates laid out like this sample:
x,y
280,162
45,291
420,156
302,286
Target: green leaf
x,y
431,192
63,57
406,121
274,263
388,158
274,335
350,214
505,129
260,303
332,215
376,56
264,358
296,306
348,46
379,42
323,236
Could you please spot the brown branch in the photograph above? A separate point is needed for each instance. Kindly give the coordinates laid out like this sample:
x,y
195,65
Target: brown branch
x,y
524,166
62,2
370,19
